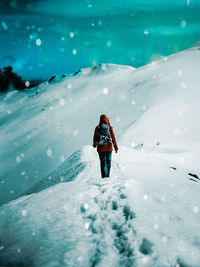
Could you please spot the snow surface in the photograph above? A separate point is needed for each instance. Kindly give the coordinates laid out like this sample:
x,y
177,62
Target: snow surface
x,y
147,213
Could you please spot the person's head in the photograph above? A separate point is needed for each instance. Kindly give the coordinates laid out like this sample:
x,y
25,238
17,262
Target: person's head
x,y
104,119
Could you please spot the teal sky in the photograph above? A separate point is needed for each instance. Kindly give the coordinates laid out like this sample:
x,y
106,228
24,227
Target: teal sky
x,y
42,38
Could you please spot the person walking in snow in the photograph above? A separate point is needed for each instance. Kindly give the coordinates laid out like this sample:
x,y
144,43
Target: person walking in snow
x,y
103,139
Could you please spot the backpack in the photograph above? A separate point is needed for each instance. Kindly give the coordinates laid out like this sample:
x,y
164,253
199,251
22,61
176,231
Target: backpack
x,y
103,135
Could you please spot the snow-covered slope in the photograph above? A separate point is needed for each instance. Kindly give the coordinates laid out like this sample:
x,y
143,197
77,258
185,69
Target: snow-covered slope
x,y
155,103
147,214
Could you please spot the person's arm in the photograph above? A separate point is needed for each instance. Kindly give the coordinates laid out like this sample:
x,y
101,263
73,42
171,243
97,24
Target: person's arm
x,y
113,139
95,138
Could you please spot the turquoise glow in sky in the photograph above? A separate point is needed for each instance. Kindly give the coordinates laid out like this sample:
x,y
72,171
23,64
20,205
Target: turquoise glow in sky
x,y
47,37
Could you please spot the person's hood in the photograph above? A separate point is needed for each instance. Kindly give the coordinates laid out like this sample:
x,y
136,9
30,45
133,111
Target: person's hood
x,y
104,119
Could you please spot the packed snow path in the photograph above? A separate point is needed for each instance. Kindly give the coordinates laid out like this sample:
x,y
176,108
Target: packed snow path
x,y
145,214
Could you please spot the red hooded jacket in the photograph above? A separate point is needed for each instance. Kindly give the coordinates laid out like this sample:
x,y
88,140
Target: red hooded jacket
x,y
109,146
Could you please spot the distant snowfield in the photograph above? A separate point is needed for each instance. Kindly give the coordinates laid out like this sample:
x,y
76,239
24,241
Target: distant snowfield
x,y
147,213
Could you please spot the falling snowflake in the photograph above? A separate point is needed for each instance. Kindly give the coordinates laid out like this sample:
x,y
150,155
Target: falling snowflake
x,y
155,226
86,206
38,42
74,52
24,213
180,73
69,86
71,34
145,197
133,102
62,101
23,173
195,210
62,159
164,239
4,25
105,91
34,36
183,23
108,43
27,83
49,152
183,85
133,144
75,132
87,225
146,32
18,159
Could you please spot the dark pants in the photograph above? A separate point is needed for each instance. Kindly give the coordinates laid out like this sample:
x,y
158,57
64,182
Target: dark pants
x,y
105,162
